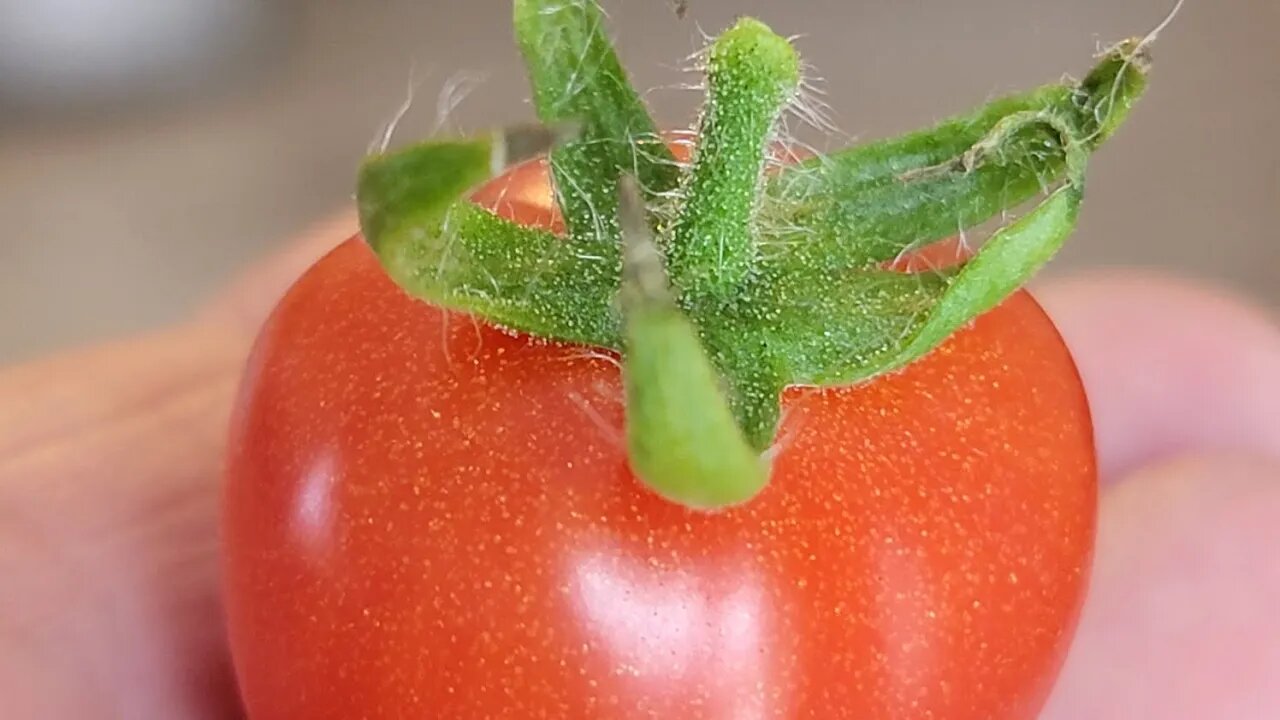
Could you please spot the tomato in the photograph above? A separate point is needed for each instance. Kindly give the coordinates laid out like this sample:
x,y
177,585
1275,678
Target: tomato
x,y
426,516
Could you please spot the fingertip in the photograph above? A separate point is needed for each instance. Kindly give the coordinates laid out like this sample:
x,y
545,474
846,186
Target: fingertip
x,y
1170,366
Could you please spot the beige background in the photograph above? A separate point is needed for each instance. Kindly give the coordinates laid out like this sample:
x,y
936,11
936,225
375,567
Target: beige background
x,y
115,221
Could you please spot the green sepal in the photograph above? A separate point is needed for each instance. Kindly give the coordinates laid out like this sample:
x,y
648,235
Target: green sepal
x,y
863,323
836,336
751,74
682,436
445,250
576,77
1005,263
1110,90
513,276
867,323
683,439
872,203
410,190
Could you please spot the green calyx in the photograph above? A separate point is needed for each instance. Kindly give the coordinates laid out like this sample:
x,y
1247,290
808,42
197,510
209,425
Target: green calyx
x,y
724,280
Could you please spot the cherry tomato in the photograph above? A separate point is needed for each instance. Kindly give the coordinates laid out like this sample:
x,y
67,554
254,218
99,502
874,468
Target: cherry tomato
x,y
429,517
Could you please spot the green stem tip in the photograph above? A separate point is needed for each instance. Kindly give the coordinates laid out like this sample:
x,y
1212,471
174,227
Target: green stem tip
x,y
722,282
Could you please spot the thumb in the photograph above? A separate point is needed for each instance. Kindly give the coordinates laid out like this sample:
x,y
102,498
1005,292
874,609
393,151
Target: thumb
x,y
1171,367
1181,620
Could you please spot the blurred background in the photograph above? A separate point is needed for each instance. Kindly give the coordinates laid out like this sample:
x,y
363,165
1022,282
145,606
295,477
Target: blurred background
x,y
151,148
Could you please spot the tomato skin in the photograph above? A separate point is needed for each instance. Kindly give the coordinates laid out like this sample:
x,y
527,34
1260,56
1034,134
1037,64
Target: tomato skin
x,y
428,517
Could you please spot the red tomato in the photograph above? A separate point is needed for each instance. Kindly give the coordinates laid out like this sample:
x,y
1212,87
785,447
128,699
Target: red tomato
x,y
427,517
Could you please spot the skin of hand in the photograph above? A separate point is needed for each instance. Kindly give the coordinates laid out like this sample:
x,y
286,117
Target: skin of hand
x,y
110,471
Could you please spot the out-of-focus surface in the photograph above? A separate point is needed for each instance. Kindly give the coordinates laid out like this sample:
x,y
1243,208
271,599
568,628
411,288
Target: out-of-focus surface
x,y
119,215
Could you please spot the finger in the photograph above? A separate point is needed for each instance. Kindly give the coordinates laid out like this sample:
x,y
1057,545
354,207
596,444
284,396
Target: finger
x,y
1181,622
108,498
1170,368
109,468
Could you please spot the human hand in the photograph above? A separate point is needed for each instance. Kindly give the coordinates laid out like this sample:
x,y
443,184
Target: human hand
x,y
109,479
